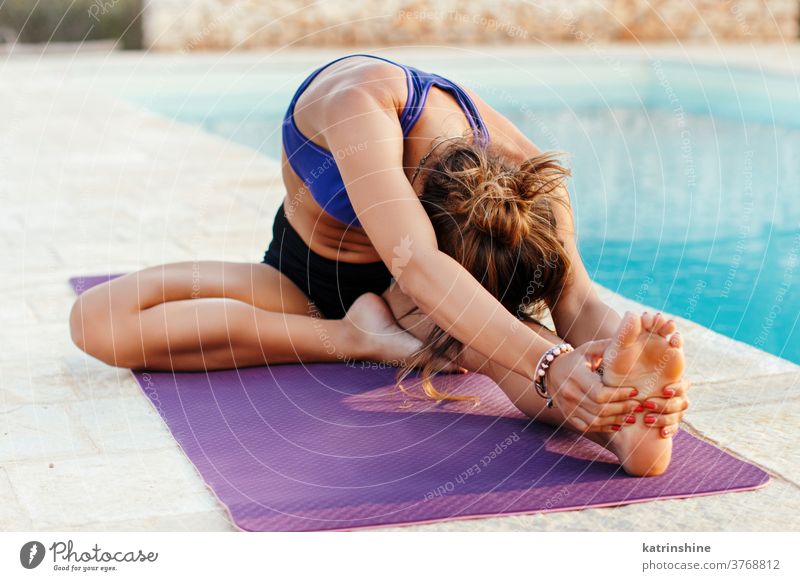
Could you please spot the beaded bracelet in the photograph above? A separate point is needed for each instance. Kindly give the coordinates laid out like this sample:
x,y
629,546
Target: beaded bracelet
x,y
545,361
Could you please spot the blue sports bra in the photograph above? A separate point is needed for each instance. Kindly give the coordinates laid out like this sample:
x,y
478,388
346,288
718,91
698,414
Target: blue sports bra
x,y
316,166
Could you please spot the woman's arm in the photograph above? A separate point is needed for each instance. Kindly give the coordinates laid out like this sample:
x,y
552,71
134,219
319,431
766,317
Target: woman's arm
x,y
398,226
579,314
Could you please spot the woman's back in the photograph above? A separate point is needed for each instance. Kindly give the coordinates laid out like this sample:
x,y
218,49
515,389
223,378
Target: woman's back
x,y
426,107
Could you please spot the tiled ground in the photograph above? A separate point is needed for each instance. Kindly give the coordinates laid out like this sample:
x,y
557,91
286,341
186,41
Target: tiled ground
x,y
92,184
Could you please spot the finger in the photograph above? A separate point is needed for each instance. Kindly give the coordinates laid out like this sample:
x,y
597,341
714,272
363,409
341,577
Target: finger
x,y
602,393
609,428
449,365
596,423
620,408
669,431
580,419
657,421
677,389
595,363
666,405
456,368
577,423
594,349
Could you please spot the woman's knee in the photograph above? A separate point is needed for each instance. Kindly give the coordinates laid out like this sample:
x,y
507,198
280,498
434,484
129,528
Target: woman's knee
x,y
80,324
92,324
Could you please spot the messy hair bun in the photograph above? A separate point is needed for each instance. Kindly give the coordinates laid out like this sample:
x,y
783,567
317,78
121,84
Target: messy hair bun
x,y
496,219
481,192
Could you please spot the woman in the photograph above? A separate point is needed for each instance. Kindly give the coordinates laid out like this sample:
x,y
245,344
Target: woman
x,y
445,196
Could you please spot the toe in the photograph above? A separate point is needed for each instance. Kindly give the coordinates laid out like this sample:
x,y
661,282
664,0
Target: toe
x,y
647,321
673,364
676,340
658,320
629,330
667,328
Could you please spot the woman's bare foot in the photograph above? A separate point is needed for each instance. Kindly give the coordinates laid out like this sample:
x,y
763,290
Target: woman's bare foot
x,y
374,333
646,355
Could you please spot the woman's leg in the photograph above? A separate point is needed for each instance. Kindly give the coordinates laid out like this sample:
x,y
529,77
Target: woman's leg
x,y
639,449
194,316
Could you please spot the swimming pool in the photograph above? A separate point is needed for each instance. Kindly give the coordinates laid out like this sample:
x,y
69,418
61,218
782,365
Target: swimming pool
x,y
686,182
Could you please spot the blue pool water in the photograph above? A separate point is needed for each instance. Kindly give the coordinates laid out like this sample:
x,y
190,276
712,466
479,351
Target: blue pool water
x,y
686,184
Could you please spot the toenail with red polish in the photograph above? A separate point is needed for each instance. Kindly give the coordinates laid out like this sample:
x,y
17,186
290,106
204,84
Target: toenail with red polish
x,y
638,408
649,420
650,405
634,393
669,392
630,420
616,428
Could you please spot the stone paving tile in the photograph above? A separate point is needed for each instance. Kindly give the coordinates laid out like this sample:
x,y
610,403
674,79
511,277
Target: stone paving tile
x,y
109,253
32,338
748,393
65,218
12,517
764,433
41,431
773,508
714,357
33,256
226,251
122,424
92,379
15,313
34,382
119,486
211,520
49,301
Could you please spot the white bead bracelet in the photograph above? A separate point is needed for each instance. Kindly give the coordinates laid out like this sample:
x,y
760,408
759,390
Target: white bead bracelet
x,y
545,361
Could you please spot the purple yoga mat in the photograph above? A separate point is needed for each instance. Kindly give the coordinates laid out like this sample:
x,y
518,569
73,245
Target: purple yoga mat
x,y
337,446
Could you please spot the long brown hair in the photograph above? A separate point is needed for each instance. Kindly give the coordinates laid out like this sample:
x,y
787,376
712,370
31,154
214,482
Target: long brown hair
x,y
496,219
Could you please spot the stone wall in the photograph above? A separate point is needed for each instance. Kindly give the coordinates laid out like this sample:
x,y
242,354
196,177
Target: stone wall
x,y
223,24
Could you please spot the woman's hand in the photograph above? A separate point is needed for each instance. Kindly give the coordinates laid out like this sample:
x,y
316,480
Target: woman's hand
x,y
579,392
668,410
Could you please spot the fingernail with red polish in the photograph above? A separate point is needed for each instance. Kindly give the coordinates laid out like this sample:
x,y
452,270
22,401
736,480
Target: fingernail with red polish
x,y
669,392
638,408
634,393
630,420
616,428
649,420
650,405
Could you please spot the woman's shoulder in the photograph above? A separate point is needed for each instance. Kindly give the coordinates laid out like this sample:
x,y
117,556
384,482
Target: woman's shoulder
x,y
342,90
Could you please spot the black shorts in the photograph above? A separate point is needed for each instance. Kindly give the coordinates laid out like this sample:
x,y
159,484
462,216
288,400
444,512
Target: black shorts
x,y
332,285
